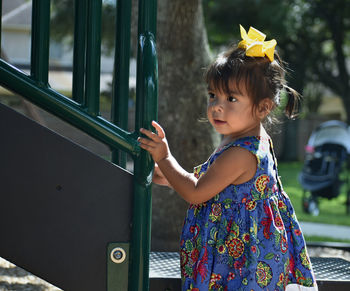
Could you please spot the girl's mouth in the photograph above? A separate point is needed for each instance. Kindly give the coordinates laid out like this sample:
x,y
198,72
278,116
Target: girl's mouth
x,y
219,122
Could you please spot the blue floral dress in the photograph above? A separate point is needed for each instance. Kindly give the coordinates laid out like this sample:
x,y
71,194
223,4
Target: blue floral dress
x,y
247,237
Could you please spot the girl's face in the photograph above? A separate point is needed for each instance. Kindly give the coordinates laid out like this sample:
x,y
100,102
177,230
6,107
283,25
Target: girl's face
x,y
232,115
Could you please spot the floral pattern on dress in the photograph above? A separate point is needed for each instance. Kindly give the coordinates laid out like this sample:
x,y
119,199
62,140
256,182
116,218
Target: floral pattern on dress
x,y
247,237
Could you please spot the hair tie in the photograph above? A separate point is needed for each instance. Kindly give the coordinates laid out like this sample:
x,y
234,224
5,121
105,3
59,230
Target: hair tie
x,y
254,44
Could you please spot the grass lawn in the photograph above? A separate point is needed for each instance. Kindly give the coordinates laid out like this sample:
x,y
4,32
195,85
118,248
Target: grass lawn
x,y
331,211
313,238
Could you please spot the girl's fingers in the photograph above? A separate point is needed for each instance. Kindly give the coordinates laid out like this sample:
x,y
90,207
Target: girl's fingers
x,y
159,129
150,134
146,144
146,141
146,148
156,137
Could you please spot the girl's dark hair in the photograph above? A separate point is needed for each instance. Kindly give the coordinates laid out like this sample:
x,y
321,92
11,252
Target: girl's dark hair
x,y
261,78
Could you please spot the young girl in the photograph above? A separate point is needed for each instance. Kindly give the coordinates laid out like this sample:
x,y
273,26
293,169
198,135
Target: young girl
x,y
240,232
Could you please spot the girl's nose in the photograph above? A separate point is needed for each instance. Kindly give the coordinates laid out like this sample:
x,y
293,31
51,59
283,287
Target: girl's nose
x,y
217,105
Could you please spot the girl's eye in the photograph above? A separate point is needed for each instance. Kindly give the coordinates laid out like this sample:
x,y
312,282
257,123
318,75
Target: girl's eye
x,y
231,99
211,95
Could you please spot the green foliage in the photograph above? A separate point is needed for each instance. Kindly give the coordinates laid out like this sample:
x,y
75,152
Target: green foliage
x,y
222,18
313,93
62,20
62,23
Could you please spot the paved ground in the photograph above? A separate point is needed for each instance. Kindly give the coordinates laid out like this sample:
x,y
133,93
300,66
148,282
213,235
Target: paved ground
x,y
326,230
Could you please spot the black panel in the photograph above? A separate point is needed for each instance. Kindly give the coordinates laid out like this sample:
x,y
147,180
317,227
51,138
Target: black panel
x,y
59,205
164,284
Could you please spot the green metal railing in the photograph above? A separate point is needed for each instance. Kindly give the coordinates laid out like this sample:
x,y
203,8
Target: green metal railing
x,y
82,110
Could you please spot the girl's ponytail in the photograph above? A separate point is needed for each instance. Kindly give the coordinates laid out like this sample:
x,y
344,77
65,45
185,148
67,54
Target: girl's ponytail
x,y
293,103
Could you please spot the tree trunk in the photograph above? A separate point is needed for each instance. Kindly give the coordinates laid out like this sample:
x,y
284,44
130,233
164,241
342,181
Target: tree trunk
x,y
346,101
30,109
183,54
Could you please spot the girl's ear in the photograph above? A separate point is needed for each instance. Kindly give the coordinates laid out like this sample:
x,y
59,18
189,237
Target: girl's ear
x,y
265,107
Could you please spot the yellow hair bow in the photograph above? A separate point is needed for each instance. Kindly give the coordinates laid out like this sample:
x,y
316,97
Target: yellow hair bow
x,y
254,44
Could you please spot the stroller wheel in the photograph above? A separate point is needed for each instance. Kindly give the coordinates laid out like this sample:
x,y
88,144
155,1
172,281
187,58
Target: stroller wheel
x,y
310,205
313,207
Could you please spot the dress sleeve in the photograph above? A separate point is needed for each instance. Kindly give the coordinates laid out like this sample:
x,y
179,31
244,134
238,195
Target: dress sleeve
x,y
198,171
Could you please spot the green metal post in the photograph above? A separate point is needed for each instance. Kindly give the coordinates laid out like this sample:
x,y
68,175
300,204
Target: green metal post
x,y
79,50
93,57
120,92
146,111
40,41
148,17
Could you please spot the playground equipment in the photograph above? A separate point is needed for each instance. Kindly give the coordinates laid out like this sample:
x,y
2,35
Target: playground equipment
x,y
67,215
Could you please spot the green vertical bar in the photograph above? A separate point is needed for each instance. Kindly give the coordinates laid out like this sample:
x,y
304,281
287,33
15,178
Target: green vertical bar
x,y
120,92
146,111
79,50
40,41
147,16
93,57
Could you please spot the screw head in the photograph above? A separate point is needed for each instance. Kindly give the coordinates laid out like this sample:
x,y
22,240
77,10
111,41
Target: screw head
x,y
118,255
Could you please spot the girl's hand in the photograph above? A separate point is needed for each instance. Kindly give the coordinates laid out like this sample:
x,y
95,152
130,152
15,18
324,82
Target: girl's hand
x,y
155,144
158,177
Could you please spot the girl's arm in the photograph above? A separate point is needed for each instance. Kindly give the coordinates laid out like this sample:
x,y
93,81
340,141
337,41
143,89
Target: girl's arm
x,y
231,167
159,178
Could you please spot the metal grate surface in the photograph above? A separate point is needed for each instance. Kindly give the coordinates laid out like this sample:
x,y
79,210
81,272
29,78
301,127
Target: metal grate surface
x,y
331,269
167,265
164,265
